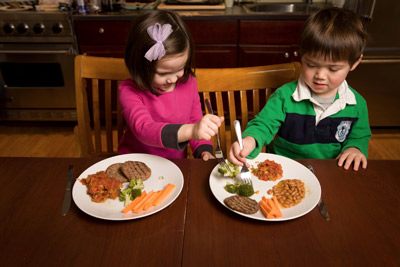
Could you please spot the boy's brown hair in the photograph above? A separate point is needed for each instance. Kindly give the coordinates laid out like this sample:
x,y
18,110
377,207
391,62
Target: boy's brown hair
x,y
139,42
334,33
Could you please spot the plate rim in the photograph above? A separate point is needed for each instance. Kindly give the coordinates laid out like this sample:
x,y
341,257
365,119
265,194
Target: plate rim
x,y
251,216
123,156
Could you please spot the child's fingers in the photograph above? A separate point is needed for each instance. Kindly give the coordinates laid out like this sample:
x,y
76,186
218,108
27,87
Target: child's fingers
x,y
233,154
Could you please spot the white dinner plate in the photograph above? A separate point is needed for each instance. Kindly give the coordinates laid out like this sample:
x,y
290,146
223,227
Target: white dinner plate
x,y
291,170
163,172
21,8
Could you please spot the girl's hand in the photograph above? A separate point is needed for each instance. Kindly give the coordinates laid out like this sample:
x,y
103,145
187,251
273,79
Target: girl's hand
x,y
207,155
237,156
204,129
352,155
207,127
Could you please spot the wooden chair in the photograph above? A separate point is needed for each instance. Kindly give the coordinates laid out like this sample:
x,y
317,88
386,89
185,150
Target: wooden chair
x,y
236,93
100,122
239,93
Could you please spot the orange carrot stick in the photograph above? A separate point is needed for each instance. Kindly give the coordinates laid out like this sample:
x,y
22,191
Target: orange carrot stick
x,y
150,200
139,206
164,193
263,210
275,200
263,203
134,202
270,208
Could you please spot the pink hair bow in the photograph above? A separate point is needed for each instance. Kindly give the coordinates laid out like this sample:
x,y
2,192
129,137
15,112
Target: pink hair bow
x,y
158,33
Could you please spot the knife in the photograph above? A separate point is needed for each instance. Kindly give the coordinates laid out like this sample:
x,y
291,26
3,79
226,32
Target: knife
x,y
67,195
321,204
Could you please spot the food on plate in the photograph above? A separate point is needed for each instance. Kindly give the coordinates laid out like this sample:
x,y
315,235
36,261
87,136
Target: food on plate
x,y
225,172
289,192
133,191
242,204
148,200
136,169
268,170
101,187
270,208
244,190
114,170
231,188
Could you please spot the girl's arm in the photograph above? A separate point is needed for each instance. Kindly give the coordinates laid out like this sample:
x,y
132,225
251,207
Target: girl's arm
x,y
138,117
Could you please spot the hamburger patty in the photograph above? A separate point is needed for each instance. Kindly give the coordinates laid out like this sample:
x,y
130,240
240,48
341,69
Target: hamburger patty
x,y
135,169
115,171
242,204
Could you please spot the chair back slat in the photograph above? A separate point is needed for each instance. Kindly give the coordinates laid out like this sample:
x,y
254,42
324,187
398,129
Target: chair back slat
x,y
108,115
240,93
235,93
96,114
120,118
100,121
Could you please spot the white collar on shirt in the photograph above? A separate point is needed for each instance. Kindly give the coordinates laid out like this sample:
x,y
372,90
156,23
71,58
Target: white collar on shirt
x,y
346,97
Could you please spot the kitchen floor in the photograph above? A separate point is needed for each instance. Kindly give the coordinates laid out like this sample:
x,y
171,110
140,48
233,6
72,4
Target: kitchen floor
x,y
58,140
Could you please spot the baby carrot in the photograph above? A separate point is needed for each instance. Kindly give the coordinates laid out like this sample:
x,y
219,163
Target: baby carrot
x,y
139,206
163,194
150,200
134,202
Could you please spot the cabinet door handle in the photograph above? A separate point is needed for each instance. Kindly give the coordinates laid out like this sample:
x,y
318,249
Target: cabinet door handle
x,y
101,30
295,53
286,55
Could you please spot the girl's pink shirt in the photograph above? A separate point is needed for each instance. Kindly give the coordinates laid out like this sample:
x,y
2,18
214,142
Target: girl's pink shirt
x,y
147,114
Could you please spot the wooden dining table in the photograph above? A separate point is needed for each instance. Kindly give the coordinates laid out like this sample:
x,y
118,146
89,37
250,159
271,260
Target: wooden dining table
x,y
196,229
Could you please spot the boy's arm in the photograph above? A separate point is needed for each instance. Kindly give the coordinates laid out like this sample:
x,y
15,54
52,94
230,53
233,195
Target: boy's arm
x,y
361,132
266,124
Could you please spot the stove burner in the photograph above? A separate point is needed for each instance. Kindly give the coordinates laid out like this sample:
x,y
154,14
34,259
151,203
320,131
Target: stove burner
x,y
35,27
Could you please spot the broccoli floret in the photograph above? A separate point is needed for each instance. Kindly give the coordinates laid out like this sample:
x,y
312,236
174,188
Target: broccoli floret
x,y
245,190
122,195
222,171
136,193
231,188
133,190
136,184
227,173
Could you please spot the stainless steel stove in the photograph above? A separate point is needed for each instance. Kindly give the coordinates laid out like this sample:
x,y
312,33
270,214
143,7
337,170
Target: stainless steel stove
x,y
37,52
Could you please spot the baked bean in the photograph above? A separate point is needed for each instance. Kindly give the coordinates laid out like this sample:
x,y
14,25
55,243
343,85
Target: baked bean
x,y
289,192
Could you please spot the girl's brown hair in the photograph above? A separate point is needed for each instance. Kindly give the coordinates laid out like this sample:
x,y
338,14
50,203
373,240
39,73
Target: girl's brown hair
x,y
334,33
178,42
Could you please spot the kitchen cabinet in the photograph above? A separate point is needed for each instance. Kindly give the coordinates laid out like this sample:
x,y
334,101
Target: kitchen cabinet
x,y
215,42
264,42
102,38
212,49
218,43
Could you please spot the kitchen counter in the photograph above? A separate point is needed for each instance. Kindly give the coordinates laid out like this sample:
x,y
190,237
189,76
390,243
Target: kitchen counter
x,y
234,13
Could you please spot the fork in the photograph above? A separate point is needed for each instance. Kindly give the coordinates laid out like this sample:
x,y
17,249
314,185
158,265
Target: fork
x,y
218,151
245,175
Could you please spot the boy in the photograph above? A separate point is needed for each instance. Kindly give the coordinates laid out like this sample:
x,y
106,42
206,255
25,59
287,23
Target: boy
x,y
318,116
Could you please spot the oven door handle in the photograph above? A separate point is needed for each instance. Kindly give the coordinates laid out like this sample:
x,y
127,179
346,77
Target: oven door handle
x,y
35,52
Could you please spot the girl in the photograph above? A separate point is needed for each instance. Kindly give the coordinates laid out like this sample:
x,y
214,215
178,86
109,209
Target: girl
x,y
160,103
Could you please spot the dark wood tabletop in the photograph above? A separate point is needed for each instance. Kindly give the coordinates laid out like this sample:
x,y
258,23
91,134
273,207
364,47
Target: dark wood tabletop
x,y
197,230
364,229
34,233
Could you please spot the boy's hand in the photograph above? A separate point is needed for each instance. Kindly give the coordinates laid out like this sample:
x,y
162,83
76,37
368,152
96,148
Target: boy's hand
x,y
237,156
207,127
206,156
352,155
